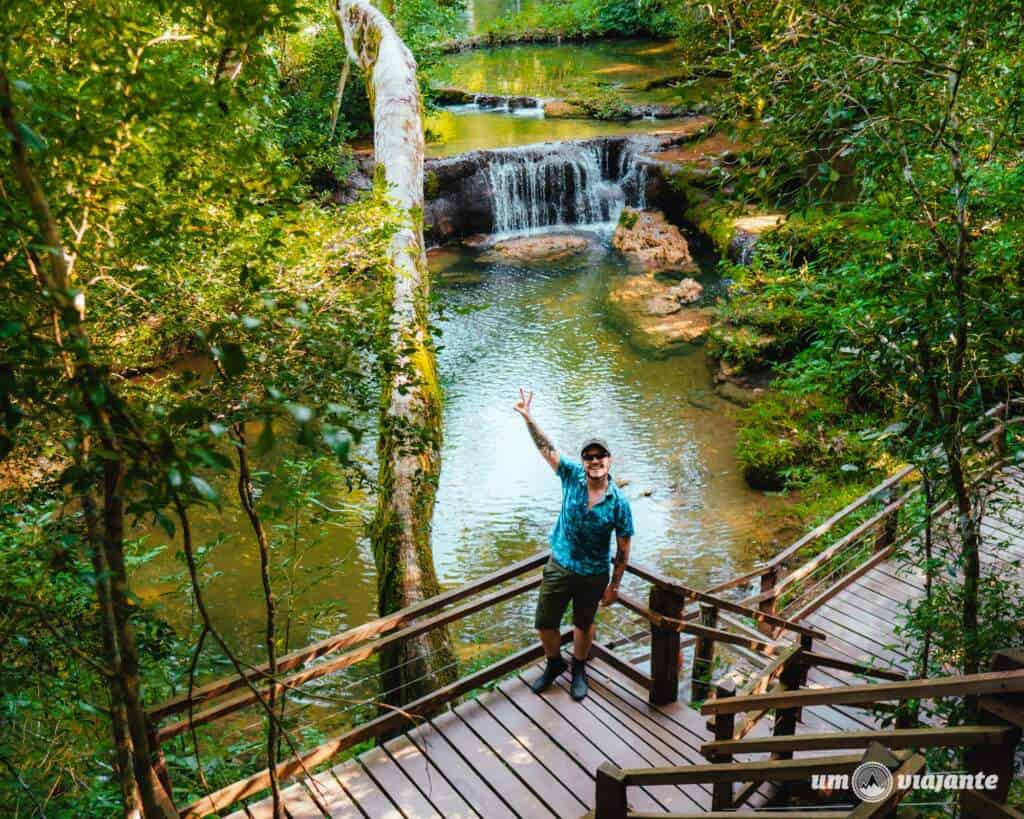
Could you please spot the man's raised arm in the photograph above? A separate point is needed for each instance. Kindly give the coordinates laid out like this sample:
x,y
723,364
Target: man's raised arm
x,y
544,445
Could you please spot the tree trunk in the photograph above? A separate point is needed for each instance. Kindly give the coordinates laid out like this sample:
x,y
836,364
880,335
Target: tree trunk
x,y
410,420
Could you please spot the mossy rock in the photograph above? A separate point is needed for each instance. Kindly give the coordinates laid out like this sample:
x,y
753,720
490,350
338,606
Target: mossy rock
x,y
626,308
431,185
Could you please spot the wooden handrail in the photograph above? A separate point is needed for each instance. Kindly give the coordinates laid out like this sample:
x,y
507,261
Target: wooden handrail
x,y
725,604
357,634
685,627
955,737
991,682
416,710
873,493
816,532
223,709
825,555
781,770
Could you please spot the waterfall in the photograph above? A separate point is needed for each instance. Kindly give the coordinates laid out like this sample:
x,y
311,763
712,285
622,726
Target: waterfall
x,y
568,183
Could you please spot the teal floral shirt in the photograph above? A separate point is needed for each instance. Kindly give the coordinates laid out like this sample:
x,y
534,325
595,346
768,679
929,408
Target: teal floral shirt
x,y
581,539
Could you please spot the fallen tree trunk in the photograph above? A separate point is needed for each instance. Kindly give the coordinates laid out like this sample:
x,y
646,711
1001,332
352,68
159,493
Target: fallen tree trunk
x,y
409,445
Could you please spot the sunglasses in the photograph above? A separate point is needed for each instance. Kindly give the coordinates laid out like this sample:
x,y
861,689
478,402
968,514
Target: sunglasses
x,y
593,457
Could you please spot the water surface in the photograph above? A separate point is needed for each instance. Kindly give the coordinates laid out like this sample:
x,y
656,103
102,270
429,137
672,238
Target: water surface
x,y
465,128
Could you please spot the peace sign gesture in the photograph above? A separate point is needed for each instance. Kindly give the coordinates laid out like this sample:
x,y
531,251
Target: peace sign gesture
x,y
522,406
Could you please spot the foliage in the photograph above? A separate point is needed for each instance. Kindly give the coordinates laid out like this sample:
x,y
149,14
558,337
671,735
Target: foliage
x,y
587,19
921,318
787,442
156,207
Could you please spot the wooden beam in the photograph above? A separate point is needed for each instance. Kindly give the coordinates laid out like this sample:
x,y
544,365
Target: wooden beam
x,y
877,810
993,682
418,710
726,605
955,737
223,709
329,645
784,770
827,661
1012,713
823,528
976,805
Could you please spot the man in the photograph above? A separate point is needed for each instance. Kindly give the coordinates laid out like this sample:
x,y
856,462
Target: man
x,y
577,570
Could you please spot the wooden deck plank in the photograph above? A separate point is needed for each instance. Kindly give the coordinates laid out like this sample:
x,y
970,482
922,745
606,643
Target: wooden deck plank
x,y
840,642
581,744
393,781
363,790
648,745
422,761
334,798
559,761
865,631
677,717
521,760
487,767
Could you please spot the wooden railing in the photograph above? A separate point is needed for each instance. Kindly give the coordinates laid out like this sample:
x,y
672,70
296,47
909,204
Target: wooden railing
x,y
989,745
666,612
790,585
672,610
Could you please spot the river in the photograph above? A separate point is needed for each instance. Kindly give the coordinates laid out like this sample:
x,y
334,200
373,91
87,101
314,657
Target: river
x,y
501,327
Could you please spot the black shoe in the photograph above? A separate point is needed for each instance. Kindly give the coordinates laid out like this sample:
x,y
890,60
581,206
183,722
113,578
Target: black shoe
x,y
578,689
556,665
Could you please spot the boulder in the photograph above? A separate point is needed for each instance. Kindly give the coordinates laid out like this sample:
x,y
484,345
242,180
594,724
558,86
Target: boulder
x,y
648,238
550,248
688,291
652,319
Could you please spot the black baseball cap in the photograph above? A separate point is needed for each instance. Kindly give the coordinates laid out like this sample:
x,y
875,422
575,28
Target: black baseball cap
x,y
595,442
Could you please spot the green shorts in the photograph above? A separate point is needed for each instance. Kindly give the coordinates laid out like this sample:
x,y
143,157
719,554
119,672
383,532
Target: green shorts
x,y
558,587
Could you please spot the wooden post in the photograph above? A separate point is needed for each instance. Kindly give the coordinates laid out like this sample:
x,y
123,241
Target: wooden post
x,y
997,759
665,656
792,678
703,655
768,581
610,793
725,729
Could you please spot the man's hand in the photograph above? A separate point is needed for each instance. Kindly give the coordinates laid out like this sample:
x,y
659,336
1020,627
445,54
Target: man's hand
x,y
522,406
540,440
611,594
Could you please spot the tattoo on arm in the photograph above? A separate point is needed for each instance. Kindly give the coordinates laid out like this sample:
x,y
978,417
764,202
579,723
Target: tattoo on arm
x,y
541,440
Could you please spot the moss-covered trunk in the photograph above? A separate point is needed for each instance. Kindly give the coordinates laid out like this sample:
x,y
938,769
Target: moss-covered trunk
x,y
409,446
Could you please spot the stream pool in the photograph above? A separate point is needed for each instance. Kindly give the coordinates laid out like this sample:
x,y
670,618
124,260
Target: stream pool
x,y
540,326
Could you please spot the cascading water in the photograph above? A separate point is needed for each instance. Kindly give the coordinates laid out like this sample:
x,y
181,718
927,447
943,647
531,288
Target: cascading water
x,y
569,183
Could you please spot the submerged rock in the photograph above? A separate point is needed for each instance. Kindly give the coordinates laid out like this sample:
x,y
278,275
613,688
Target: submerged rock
x,y
647,237
652,318
550,248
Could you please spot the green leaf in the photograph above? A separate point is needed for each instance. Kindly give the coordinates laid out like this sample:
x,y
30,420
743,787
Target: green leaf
x,y
204,489
32,140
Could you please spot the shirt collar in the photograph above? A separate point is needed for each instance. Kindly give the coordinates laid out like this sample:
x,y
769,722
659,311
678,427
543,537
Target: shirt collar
x,y
611,490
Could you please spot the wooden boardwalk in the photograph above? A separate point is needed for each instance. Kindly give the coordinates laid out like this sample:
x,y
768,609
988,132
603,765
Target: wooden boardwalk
x,y
511,753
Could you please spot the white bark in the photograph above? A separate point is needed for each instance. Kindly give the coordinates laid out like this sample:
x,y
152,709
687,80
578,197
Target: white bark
x,y
409,464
